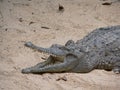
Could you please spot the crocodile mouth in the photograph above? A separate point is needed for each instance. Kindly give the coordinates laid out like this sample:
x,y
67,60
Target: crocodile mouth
x,y
54,56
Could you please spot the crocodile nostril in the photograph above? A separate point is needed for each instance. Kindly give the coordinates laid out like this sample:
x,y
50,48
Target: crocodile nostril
x,y
28,44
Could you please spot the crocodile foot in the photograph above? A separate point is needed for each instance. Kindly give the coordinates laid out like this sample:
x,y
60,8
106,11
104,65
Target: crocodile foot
x,y
116,70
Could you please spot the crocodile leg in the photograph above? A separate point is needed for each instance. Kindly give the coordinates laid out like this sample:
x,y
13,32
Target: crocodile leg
x,y
50,60
116,68
70,62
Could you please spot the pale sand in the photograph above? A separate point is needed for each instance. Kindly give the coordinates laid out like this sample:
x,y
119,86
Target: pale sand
x,y
21,20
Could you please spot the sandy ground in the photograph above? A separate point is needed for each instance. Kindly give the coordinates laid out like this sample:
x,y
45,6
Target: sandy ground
x,y
22,20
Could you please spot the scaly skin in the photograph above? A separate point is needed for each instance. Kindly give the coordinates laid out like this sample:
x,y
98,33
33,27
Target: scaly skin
x,y
98,50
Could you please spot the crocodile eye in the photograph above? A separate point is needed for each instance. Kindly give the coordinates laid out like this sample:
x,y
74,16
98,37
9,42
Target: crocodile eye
x,y
70,42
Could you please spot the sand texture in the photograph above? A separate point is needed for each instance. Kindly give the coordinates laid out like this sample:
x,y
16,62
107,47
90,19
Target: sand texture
x,y
41,22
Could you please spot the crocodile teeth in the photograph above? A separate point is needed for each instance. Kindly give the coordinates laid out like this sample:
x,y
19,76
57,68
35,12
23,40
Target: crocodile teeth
x,y
49,54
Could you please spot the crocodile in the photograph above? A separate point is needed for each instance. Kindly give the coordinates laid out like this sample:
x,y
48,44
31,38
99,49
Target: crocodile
x,y
100,49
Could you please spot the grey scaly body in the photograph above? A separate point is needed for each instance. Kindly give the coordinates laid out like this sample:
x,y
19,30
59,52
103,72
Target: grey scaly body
x,y
100,49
